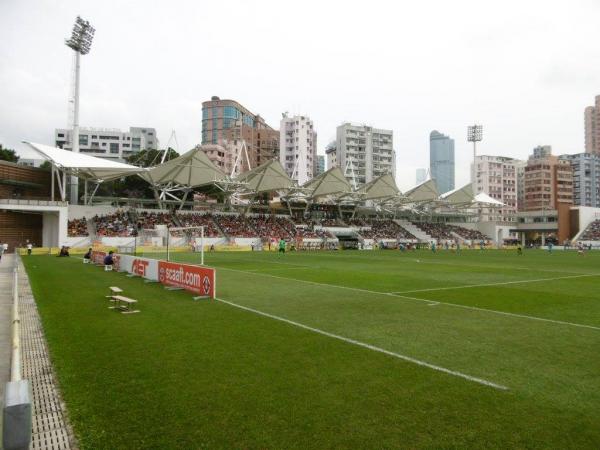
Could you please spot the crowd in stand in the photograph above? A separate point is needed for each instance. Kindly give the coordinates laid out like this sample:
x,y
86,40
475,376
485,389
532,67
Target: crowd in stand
x,y
151,219
196,220
268,227
77,227
235,226
271,226
592,232
118,224
436,230
384,229
466,233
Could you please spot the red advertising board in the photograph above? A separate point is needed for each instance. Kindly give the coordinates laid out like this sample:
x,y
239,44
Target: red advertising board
x,y
196,279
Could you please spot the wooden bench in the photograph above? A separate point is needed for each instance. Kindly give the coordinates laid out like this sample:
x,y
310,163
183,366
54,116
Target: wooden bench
x,y
114,290
124,304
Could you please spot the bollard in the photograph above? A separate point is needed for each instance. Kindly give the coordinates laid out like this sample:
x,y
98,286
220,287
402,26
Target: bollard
x,y
17,416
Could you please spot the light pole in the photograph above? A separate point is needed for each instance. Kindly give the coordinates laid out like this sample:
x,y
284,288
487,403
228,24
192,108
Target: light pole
x,y
81,43
474,135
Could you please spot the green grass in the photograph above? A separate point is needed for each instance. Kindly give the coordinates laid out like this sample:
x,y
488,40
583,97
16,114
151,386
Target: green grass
x,y
185,374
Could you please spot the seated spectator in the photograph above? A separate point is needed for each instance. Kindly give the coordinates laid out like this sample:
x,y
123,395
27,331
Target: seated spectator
x,y
88,255
64,251
108,259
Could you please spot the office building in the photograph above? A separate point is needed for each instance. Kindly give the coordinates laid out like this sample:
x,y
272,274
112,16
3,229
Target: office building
x,y
110,143
246,138
548,181
421,175
364,153
497,177
586,178
592,127
441,161
298,147
320,165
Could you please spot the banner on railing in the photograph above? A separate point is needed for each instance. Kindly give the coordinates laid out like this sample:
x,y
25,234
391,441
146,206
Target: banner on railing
x,y
143,267
196,279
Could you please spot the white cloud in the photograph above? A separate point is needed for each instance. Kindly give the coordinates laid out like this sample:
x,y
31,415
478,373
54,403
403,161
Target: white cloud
x,y
526,70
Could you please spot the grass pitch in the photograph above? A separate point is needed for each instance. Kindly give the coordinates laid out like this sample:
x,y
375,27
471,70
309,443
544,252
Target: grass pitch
x,y
348,349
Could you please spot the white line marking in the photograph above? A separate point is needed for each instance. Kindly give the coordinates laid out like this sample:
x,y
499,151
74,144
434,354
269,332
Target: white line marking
x,y
503,313
491,284
368,346
424,300
279,268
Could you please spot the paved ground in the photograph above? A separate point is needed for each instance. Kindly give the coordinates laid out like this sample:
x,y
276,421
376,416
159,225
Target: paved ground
x,y
6,282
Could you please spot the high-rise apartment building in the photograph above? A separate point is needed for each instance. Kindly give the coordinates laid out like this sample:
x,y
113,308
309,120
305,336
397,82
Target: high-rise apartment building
x,y
320,165
548,181
109,143
441,160
331,153
586,178
592,127
244,136
364,153
421,175
298,147
496,176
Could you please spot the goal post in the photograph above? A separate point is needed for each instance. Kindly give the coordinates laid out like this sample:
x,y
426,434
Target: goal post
x,y
190,234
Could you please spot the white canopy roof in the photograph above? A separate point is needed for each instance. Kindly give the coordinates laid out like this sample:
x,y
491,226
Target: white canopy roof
x,y
483,198
84,166
192,169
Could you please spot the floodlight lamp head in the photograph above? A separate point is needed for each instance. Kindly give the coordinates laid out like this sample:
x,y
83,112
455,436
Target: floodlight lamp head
x,y
81,36
474,133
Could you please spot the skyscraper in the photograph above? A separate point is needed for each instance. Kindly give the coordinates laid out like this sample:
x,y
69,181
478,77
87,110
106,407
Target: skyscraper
x,y
364,153
421,175
298,147
592,128
441,160
320,165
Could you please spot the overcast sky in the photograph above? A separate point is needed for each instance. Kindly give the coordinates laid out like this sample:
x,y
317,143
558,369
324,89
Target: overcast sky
x,y
524,69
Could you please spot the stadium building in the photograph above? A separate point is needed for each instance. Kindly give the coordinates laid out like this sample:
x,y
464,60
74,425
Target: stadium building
x,y
255,209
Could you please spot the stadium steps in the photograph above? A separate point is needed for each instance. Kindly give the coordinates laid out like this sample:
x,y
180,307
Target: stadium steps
x,y
91,228
413,229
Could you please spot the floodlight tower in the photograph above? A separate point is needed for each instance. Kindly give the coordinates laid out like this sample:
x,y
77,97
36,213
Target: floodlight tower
x,y
81,43
475,135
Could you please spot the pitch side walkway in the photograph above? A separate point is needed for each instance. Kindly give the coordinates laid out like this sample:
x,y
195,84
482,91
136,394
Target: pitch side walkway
x,y
6,282
50,429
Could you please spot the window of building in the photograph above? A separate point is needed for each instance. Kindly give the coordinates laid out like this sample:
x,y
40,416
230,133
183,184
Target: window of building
x,y
114,147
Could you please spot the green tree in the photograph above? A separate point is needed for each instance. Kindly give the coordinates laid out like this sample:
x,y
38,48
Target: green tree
x,y
7,154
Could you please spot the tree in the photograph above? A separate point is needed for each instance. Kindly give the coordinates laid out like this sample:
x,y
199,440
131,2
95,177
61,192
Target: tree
x,y
149,158
7,154
46,165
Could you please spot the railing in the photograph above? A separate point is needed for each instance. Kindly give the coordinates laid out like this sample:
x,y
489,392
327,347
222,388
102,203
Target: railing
x,y
17,413
29,202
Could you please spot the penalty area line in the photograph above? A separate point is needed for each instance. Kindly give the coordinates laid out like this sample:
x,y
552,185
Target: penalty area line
x,y
368,346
